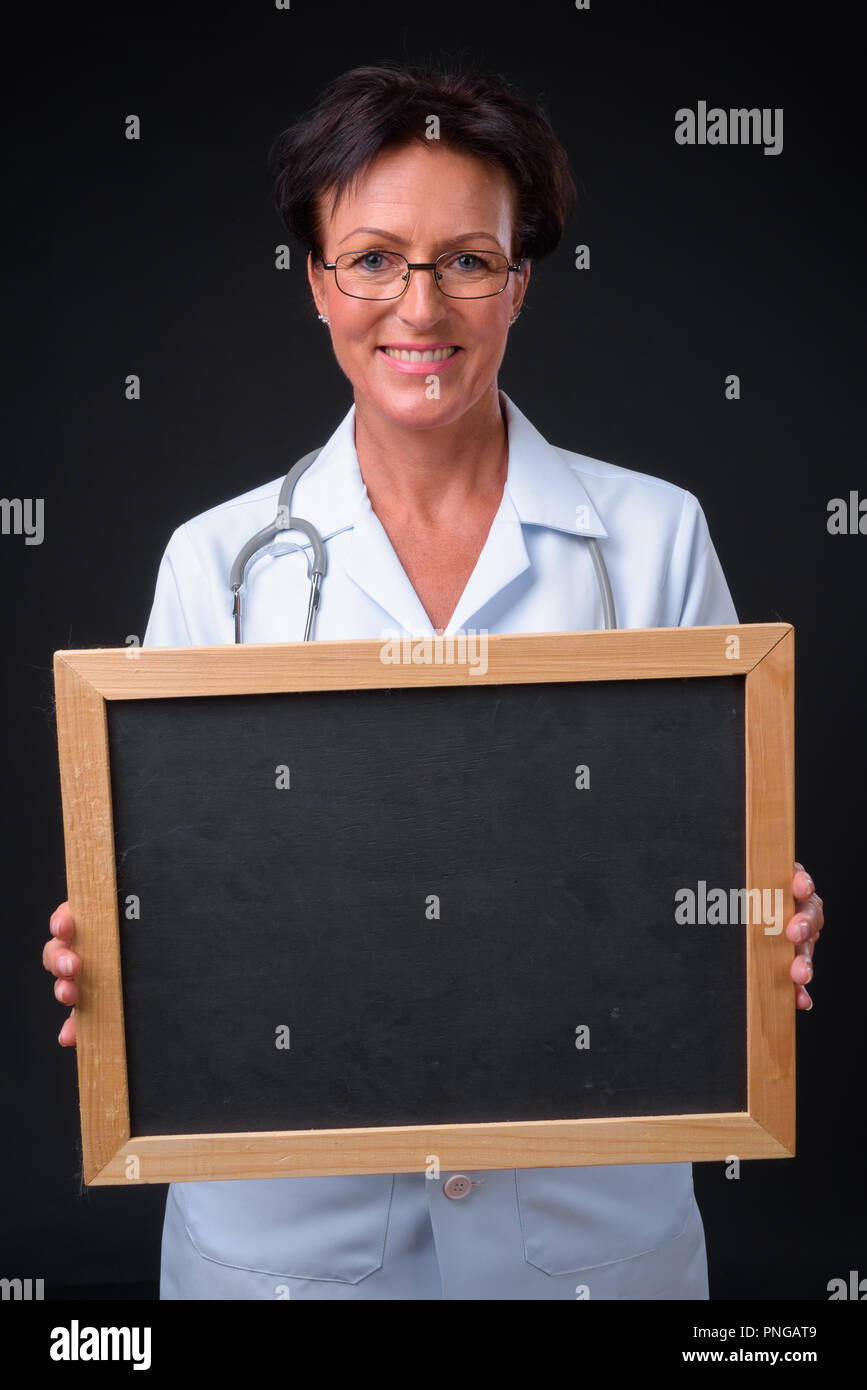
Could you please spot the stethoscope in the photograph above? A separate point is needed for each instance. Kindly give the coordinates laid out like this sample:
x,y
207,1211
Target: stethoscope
x,y
317,563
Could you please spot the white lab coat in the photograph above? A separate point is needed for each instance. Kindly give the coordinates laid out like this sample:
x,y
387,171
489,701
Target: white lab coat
x,y
616,1232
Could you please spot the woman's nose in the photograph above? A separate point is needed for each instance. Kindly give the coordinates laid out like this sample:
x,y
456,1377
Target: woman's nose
x,y
421,300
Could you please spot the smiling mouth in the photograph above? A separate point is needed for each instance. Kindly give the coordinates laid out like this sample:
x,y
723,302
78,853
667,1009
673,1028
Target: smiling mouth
x,y
428,355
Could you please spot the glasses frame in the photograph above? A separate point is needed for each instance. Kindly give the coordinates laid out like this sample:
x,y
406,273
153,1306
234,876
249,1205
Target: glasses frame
x,y
422,265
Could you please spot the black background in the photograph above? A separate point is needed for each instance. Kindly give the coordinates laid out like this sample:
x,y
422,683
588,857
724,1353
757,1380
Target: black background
x,y
157,257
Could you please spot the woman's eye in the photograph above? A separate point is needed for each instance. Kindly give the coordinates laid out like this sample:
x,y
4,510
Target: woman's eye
x,y
369,260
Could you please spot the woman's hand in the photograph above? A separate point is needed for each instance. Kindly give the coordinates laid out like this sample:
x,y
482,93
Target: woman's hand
x,y
65,964
804,929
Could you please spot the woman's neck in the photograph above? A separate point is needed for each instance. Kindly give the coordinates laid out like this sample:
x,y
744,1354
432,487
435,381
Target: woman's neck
x,y
430,476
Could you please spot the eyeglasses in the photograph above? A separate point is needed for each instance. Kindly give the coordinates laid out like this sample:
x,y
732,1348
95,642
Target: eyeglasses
x,y
458,274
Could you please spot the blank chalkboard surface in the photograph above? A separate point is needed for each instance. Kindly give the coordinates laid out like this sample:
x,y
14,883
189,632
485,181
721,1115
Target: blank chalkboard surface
x,y
304,907
388,908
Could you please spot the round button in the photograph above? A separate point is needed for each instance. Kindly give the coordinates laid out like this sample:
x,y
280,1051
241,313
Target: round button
x,y
458,1186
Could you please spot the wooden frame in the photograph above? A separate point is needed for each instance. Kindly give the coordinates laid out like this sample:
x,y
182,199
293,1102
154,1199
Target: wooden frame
x,y
86,679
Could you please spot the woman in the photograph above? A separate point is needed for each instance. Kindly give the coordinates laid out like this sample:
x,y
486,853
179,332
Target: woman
x,y
442,509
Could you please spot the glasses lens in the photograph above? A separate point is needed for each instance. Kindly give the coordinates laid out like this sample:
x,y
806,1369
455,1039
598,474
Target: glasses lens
x,y
370,274
473,274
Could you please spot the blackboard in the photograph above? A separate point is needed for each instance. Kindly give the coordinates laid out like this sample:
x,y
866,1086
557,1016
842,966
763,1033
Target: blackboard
x,y
393,909
305,907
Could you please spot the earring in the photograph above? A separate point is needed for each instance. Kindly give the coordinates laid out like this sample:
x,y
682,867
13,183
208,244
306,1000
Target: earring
x,y
514,317
323,319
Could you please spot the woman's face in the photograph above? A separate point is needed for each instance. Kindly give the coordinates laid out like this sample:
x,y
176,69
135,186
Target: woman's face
x,y
421,202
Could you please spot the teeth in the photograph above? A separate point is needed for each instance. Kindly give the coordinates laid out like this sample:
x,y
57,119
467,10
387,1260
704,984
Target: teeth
x,y
435,355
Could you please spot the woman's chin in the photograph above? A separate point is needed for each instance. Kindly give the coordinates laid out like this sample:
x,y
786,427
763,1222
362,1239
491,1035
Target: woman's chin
x,y
410,406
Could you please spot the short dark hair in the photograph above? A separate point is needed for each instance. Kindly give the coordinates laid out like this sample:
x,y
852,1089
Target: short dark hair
x,y
370,109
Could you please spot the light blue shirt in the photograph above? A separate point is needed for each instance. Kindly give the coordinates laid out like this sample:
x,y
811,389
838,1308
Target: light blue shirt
x,y
619,1231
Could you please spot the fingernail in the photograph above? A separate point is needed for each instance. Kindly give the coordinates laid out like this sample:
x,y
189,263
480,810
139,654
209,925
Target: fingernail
x,y
52,926
811,887
64,965
803,930
809,973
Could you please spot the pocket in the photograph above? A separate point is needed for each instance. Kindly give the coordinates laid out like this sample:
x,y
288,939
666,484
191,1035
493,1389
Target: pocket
x,y
578,1218
293,1228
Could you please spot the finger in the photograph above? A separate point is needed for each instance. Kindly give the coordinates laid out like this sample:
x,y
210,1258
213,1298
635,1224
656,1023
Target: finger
x,y
60,960
66,991
813,904
803,1000
801,968
807,921
61,923
66,1036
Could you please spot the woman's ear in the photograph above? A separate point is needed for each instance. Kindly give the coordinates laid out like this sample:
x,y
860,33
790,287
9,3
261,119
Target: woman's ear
x,y
316,278
522,280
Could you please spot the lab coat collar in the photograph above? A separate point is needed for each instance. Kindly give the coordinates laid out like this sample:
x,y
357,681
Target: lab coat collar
x,y
543,486
541,489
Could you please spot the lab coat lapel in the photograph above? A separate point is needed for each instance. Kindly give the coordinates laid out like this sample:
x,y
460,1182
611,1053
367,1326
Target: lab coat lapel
x,y
373,564
504,556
